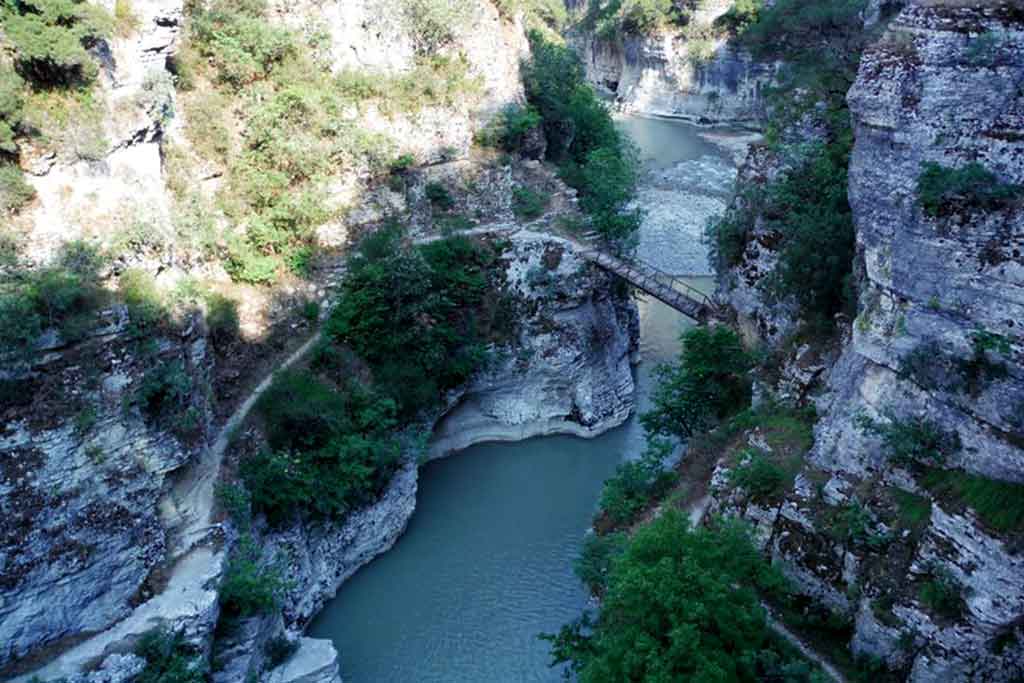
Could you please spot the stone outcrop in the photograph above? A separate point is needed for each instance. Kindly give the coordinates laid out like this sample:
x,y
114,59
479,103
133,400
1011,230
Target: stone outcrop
x,y
943,84
679,72
568,370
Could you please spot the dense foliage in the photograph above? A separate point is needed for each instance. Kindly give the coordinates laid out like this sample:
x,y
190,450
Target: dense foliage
x,y
420,317
819,45
329,449
681,604
999,504
64,296
913,440
635,485
594,157
250,587
169,658
941,189
707,383
51,39
810,210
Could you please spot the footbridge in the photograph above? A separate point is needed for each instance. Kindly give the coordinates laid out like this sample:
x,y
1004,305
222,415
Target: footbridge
x,y
666,288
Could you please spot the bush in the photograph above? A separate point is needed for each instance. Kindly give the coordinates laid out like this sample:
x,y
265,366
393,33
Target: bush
x,y
14,191
12,101
763,480
636,484
125,19
707,383
942,594
141,296
434,23
943,190
279,650
164,392
169,658
330,450
237,39
810,209
912,441
529,204
511,128
595,158
439,196
51,39
248,587
688,597
741,16
999,504
411,314
595,560
222,318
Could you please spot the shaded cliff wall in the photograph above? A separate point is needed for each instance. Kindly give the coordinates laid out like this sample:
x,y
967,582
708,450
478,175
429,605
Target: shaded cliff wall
x,y
944,84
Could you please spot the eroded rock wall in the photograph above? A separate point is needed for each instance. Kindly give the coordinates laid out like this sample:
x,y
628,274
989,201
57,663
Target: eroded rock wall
x,y
942,85
679,72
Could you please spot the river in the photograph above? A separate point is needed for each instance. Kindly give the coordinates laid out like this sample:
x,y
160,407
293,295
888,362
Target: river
x,y
486,563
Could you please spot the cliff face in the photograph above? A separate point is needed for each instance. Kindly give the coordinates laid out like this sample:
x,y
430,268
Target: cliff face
x,y
83,461
942,85
688,73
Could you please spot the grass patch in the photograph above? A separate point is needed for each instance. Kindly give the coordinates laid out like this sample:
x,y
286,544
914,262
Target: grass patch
x,y
999,504
529,204
943,190
914,512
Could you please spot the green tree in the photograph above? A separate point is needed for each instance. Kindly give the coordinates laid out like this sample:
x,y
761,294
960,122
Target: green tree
x,y
249,586
707,383
681,604
809,207
51,39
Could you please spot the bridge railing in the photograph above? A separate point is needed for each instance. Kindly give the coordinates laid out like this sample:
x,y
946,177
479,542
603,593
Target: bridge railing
x,y
645,270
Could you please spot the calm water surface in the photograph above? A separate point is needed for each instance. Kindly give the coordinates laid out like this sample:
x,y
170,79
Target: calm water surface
x,y
486,563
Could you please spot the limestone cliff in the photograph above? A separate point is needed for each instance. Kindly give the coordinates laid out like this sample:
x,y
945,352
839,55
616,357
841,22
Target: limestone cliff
x,y
942,85
692,72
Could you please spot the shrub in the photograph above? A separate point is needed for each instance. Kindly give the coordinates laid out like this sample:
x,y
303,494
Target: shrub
x,y
169,658
513,125
51,39
741,16
279,650
20,322
411,314
942,594
141,296
762,479
248,587
12,101
165,391
439,196
636,484
126,21
529,204
330,450
237,502
912,441
239,42
688,595
727,240
999,504
943,190
707,383
596,557
14,191
810,209
222,317
434,23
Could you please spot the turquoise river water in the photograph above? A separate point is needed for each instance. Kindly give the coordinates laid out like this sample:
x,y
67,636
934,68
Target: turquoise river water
x,y
486,563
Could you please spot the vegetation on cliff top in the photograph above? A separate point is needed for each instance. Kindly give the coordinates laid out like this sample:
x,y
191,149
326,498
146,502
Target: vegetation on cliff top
x,y
807,207
593,156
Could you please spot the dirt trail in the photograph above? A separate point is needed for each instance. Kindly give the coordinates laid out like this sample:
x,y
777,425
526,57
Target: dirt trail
x,y
187,511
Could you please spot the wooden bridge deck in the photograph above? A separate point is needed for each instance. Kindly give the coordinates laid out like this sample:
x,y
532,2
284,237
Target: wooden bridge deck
x,y
670,290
